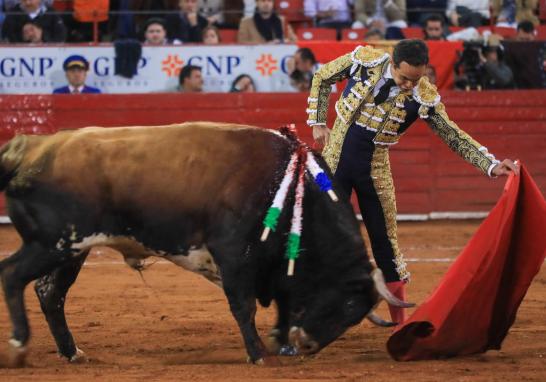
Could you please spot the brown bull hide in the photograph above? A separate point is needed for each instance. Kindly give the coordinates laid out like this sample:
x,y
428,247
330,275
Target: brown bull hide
x,y
194,194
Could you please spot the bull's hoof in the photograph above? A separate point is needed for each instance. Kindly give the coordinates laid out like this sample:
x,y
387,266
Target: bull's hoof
x,y
265,361
17,354
79,357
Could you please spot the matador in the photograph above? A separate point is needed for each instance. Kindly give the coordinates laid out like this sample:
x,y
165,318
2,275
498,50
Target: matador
x,y
384,95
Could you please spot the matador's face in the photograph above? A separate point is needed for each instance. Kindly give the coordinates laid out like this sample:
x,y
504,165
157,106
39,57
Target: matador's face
x,y
407,76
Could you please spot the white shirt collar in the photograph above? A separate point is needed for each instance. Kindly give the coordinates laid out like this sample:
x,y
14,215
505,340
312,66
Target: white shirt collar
x,y
72,88
388,73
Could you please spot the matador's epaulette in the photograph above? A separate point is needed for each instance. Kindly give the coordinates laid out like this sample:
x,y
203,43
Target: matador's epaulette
x,y
426,94
368,56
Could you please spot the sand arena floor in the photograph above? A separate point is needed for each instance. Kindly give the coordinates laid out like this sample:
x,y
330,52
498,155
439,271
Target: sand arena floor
x,y
177,326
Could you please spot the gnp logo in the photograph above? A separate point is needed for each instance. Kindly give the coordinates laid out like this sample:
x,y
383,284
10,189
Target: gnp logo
x,y
210,65
172,65
25,67
266,64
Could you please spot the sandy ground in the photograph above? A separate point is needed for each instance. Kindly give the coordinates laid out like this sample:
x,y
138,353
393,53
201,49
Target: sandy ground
x,y
177,326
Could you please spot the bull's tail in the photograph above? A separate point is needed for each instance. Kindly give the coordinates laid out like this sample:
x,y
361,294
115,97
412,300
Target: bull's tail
x,y
11,157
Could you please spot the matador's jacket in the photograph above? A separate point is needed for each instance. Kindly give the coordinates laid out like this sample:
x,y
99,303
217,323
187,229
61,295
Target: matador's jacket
x,y
357,151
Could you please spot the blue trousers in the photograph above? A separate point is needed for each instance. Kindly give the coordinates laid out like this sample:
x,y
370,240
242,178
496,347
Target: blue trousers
x,y
358,170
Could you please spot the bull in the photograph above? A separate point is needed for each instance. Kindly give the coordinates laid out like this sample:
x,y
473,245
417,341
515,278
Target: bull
x,y
194,194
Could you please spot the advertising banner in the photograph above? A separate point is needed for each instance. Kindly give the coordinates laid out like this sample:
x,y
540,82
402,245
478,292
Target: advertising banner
x,y
39,70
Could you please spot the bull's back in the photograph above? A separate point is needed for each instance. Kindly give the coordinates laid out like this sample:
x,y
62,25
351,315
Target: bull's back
x,y
194,166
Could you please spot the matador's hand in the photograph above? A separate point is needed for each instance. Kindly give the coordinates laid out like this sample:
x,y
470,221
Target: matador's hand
x,y
321,134
505,167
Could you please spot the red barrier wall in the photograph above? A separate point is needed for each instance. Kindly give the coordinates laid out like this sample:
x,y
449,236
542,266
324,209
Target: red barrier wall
x,y
428,177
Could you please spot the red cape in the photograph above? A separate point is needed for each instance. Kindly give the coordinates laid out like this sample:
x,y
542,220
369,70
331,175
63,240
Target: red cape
x,y
476,301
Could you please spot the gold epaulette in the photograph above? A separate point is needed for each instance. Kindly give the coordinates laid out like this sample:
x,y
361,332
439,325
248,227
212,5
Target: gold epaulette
x,y
368,56
427,95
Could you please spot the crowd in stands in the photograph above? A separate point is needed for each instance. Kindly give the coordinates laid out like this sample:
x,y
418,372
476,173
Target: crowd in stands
x,y
163,22
257,21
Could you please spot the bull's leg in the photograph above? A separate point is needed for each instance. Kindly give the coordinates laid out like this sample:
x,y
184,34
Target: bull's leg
x,y
242,303
238,279
27,264
278,337
51,290
238,272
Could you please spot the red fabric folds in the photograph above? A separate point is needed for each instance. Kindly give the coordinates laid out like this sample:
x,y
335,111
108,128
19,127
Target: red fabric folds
x,y
476,301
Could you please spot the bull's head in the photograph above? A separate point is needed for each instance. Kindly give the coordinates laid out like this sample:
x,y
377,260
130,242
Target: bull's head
x,y
333,311
338,286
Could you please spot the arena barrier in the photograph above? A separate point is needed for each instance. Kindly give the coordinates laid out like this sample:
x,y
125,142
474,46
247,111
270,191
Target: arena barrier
x,y
431,181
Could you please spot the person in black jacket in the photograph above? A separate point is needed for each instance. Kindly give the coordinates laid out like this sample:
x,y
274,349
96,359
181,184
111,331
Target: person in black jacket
x,y
188,25
36,11
495,73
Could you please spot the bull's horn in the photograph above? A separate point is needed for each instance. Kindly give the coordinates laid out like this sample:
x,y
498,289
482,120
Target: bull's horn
x,y
376,320
384,292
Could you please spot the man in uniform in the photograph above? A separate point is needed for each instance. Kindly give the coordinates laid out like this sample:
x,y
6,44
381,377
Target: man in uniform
x,y
383,97
75,69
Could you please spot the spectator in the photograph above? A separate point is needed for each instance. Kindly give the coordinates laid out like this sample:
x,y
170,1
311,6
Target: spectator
x,y
211,35
329,13
131,15
526,31
190,79
52,25
495,73
389,13
186,25
243,84
212,10
510,12
305,61
33,33
419,10
155,32
302,68
434,28
224,13
75,68
468,13
373,35
265,26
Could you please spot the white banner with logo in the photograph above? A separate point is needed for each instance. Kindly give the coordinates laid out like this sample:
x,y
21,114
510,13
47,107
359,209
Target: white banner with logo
x,y
38,70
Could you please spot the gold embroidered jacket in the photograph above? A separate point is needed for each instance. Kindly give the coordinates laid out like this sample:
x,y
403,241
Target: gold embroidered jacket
x,y
364,68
